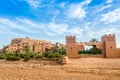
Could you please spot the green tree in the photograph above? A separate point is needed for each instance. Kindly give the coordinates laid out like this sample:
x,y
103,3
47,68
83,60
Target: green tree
x,y
26,49
56,49
62,51
93,40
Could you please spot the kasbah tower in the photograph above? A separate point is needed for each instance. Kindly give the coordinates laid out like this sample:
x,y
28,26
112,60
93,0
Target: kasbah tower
x,y
107,46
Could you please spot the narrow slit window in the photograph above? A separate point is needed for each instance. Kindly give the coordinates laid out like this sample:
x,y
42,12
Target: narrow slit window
x,y
111,47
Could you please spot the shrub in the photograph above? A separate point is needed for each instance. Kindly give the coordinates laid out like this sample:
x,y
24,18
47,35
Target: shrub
x,y
95,51
2,56
46,54
39,56
31,54
17,54
62,51
9,53
61,56
54,55
13,58
2,51
22,55
82,52
57,55
91,51
26,58
51,55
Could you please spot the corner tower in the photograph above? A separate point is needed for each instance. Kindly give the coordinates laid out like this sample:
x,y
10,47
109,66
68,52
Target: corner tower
x,y
71,47
109,46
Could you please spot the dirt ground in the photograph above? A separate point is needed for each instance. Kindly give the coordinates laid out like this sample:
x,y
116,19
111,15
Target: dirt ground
x,y
76,69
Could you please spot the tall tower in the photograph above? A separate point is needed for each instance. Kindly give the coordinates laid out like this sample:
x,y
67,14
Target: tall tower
x,y
71,47
109,46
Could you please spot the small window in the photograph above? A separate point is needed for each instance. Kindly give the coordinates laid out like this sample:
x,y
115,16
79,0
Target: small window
x,y
71,48
111,47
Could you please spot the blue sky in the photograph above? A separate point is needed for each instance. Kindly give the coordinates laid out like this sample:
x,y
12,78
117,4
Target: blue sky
x,y
54,19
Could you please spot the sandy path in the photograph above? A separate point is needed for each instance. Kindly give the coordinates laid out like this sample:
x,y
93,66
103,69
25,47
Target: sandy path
x,y
76,69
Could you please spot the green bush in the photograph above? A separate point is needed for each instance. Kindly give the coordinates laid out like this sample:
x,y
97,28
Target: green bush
x,y
9,53
39,56
58,55
47,53
61,56
26,58
62,51
13,58
17,54
31,54
2,56
22,55
54,55
2,51
51,55
95,51
91,51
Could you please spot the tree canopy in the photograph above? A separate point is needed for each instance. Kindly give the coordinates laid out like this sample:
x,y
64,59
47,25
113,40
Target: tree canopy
x,y
93,40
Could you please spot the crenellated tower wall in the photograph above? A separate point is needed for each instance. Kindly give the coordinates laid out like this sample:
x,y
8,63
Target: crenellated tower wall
x,y
109,46
71,47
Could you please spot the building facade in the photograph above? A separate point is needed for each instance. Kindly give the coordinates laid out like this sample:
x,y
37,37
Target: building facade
x,y
107,46
38,46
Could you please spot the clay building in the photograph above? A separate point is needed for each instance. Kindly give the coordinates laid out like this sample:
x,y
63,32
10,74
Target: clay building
x,y
59,45
107,46
38,46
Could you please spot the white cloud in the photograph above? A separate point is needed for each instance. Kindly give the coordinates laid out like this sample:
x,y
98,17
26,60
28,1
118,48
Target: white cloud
x,y
78,10
55,29
108,30
104,7
11,25
86,2
4,30
62,5
31,27
34,3
109,1
113,16
28,26
55,15
75,31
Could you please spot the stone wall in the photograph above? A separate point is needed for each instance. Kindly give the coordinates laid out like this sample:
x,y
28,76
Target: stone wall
x,y
107,45
118,52
72,47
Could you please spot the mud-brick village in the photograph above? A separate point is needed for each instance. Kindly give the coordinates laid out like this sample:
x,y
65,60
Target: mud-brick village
x,y
59,39
24,56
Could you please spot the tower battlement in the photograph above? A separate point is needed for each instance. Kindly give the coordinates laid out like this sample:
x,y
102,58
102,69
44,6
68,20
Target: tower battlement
x,y
109,45
70,39
71,47
70,36
108,37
